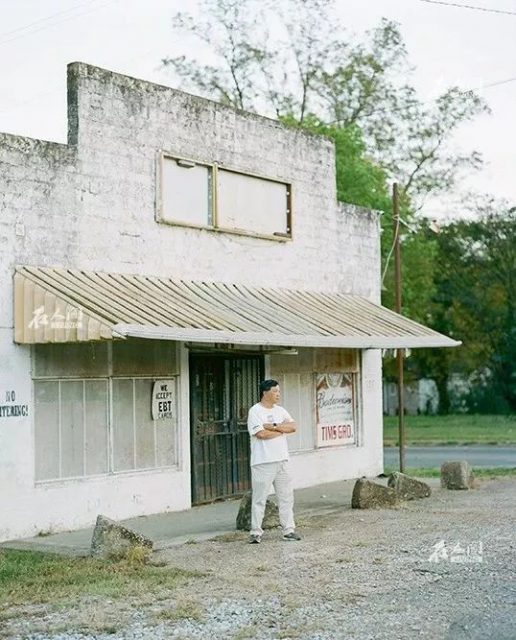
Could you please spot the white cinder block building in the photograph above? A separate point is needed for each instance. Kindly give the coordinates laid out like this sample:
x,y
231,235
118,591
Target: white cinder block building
x,y
153,269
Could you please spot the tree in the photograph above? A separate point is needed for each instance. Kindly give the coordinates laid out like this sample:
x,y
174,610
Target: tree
x,y
303,69
475,300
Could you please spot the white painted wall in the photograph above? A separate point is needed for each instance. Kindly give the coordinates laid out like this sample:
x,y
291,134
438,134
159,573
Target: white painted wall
x,y
28,508
91,205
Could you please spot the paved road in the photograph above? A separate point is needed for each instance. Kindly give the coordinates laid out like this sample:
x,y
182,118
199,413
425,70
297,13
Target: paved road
x,y
476,455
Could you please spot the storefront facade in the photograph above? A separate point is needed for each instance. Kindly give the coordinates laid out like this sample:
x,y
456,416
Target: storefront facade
x,y
156,267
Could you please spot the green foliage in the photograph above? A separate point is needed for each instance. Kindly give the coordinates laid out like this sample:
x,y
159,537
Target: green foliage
x,y
452,429
475,300
29,576
419,266
360,181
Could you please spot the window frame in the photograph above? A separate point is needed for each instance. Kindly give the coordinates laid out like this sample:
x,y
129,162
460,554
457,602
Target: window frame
x,y
213,212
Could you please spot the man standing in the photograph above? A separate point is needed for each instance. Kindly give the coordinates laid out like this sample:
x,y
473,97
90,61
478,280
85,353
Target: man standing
x,y
268,424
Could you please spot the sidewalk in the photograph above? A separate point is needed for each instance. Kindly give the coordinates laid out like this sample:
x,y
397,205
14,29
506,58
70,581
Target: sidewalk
x,y
199,523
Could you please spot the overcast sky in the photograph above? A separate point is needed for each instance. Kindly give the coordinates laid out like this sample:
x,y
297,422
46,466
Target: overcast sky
x,y
448,46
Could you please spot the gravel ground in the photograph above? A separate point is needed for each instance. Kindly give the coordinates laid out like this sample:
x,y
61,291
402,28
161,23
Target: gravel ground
x,y
358,575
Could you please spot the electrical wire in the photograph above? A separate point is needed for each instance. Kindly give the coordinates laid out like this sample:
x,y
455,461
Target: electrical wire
x,y
391,250
494,84
469,6
57,22
46,18
58,88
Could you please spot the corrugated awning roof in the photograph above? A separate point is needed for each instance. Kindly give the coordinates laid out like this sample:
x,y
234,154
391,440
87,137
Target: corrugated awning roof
x,y
69,305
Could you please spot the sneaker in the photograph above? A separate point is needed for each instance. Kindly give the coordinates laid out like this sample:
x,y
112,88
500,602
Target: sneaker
x,y
292,536
254,539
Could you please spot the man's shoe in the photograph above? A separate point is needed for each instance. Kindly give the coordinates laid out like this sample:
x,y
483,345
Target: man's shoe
x,y
292,536
254,539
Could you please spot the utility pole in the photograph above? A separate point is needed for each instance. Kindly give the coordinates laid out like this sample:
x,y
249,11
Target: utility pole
x,y
397,307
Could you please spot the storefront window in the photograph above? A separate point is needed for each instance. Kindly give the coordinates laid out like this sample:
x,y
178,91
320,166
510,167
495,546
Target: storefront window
x,y
88,425
320,387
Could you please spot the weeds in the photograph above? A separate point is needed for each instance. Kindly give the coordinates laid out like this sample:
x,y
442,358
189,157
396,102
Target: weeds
x,y
186,609
31,577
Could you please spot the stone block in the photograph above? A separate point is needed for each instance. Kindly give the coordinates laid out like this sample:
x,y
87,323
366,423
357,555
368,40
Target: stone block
x,y
408,488
369,495
457,474
112,541
270,518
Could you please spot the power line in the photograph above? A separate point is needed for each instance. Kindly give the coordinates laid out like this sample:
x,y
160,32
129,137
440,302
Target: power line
x,y
57,22
46,18
469,6
494,84
58,88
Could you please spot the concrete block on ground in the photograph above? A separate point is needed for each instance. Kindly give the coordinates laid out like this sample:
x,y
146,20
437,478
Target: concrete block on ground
x,y
270,518
112,541
369,495
408,488
457,474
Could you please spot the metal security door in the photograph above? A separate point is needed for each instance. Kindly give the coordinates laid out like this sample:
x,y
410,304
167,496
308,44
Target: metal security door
x,y
222,388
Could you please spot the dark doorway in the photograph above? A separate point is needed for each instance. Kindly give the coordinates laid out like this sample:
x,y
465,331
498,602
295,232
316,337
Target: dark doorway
x,y
222,389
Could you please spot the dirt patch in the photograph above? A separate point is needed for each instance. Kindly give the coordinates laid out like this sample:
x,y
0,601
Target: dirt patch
x,y
436,568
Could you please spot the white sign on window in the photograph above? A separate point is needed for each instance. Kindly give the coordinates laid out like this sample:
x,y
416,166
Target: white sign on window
x,y
335,409
163,399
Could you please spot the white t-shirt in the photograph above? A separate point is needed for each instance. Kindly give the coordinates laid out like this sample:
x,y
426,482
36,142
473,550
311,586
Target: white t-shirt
x,y
273,449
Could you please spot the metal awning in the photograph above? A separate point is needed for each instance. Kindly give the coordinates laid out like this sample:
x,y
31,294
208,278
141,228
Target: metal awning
x,y
70,305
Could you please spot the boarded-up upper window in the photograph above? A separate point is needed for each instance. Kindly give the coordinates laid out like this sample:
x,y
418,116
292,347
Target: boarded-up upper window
x,y
208,196
186,193
252,204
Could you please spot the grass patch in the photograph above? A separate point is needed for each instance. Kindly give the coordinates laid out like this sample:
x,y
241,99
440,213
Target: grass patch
x,y
495,472
31,577
453,429
184,610
478,472
250,632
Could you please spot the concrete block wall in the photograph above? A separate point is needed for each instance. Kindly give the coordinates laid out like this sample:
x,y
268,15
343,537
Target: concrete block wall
x,y
91,204
359,240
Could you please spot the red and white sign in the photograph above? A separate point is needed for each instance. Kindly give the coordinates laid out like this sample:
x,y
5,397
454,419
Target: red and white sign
x,y
335,409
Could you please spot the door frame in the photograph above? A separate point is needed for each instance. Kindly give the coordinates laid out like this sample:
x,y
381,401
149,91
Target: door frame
x,y
232,438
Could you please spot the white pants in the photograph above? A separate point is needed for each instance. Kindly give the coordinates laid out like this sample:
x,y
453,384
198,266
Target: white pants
x,y
263,477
